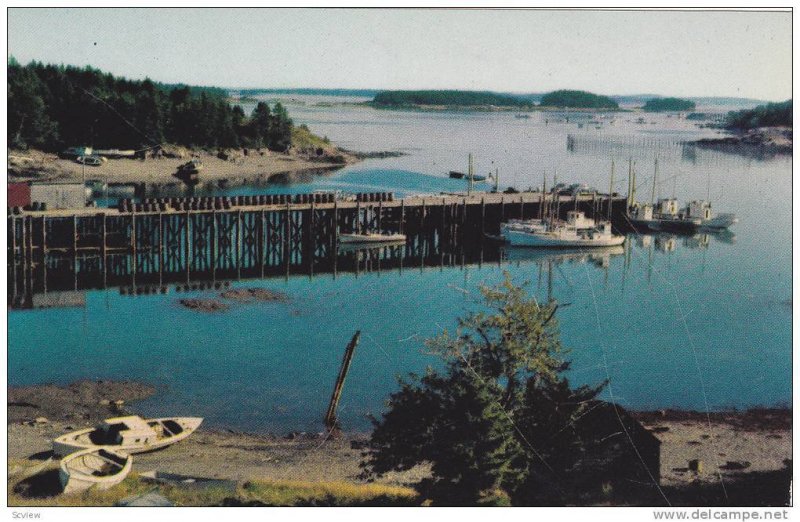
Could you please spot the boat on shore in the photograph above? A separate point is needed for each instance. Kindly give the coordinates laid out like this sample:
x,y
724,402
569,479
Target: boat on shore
x,y
576,231
131,434
369,238
97,468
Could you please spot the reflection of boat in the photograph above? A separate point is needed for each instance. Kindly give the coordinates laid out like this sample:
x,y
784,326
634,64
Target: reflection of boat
x,y
724,236
702,210
96,468
599,254
130,434
576,231
353,247
371,238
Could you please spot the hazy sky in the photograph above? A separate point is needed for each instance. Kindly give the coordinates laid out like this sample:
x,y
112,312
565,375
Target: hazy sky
x,y
671,53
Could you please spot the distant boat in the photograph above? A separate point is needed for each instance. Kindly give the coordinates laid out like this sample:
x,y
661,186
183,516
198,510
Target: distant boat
x,y
476,177
96,468
131,434
457,175
576,231
371,238
522,116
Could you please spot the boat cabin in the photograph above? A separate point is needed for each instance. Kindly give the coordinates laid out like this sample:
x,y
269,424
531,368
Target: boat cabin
x,y
578,219
667,207
699,209
125,431
642,212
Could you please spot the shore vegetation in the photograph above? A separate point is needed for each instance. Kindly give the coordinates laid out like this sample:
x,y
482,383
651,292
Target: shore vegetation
x,y
768,115
51,107
577,100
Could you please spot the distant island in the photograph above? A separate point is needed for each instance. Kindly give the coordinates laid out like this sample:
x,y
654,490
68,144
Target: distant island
x,y
448,99
577,100
668,104
486,100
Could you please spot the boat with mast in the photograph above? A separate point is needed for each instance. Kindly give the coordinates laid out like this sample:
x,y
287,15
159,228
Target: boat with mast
x,y
661,215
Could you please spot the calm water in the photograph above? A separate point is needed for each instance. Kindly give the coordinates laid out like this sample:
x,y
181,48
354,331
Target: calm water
x,y
672,322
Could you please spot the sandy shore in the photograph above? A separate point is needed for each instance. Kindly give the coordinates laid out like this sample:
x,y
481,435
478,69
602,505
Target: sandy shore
x,y
255,167
727,444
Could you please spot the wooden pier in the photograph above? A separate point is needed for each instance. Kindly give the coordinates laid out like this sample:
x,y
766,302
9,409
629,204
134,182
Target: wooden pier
x,y
97,248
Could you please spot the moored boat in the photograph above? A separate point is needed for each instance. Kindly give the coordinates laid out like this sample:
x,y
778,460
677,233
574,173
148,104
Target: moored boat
x,y
664,216
576,231
371,238
456,174
97,468
702,210
131,434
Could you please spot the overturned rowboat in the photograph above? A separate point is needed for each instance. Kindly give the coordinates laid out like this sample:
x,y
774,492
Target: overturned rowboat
x,y
131,434
97,468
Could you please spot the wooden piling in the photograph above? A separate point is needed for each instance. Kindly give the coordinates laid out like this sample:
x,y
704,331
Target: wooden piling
x,y
331,422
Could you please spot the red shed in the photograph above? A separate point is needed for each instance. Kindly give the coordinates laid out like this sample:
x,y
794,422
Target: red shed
x,y
19,194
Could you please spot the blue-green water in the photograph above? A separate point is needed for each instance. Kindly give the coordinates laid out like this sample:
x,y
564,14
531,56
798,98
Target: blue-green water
x,y
673,322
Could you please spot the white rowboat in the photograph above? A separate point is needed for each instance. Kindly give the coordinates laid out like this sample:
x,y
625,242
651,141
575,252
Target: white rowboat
x,y
96,468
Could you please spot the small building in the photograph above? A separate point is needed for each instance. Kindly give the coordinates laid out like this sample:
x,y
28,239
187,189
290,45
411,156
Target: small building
x,y
19,195
58,195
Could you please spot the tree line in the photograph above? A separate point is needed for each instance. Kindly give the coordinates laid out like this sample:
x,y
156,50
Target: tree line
x,y
668,104
769,115
51,107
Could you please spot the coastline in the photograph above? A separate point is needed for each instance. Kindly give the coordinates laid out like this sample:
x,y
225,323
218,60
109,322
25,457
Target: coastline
x,y
762,141
255,167
730,444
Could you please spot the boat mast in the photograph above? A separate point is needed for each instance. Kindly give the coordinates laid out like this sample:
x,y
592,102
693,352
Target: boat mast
x,y
611,189
655,175
497,180
544,189
469,186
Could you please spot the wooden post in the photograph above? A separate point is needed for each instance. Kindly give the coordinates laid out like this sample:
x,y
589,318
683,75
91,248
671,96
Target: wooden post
x,y
188,246
261,240
103,251
287,241
331,422
160,249
239,244
402,213
358,218
133,243
483,217
380,212
213,245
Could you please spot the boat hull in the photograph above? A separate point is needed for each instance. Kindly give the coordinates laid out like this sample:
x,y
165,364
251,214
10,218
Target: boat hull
x,y
77,470
352,239
720,222
76,441
524,239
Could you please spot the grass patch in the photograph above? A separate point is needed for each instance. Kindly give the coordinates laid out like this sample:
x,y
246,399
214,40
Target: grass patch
x,y
40,490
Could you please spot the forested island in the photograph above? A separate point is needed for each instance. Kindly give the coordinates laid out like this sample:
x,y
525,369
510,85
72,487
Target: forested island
x,y
55,106
668,104
577,100
769,115
395,99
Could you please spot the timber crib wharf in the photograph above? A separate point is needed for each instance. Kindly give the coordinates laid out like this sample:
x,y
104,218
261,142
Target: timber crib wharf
x,y
164,244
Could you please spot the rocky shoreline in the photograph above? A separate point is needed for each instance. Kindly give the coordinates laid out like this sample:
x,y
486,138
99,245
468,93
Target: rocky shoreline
x,y
764,141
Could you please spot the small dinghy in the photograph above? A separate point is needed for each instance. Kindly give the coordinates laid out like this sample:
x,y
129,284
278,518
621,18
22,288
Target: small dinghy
x,y
131,434
97,468
371,238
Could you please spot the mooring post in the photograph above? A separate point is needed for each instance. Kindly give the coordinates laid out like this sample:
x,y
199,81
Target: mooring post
x,y
261,240
402,213
331,422
103,250
188,247
483,217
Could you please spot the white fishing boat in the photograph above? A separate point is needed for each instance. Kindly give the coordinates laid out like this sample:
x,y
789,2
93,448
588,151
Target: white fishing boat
x,y
702,211
131,434
97,468
372,237
576,231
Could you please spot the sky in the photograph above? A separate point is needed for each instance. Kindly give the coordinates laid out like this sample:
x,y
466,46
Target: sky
x,y
740,54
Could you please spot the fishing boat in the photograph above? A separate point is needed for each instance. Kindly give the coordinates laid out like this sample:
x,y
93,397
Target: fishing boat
x,y
664,217
372,237
576,231
131,434
456,174
97,468
702,210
